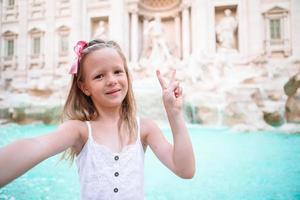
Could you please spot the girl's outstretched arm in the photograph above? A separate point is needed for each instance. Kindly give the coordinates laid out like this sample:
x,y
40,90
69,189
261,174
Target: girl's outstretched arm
x,y
180,156
20,156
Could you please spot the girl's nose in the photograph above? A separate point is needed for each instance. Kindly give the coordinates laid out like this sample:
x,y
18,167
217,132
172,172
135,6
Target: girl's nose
x,y
111,80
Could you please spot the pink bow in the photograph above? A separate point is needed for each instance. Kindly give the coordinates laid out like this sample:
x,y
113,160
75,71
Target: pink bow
x,y
78,50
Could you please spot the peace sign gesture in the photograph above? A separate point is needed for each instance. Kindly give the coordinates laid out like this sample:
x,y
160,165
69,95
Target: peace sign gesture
x,y
172,92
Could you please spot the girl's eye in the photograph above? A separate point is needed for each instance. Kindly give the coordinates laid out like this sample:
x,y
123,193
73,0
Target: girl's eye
x,y
118,71
100,76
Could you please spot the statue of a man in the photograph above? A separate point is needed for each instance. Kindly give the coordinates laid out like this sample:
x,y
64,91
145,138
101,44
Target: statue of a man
x,y
225,31
155,41
101,31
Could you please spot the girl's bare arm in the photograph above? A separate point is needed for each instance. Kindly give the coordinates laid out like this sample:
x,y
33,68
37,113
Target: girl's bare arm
x,y
20,156
178,157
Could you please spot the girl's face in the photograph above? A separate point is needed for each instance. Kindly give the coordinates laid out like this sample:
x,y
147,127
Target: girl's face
x,y
105,79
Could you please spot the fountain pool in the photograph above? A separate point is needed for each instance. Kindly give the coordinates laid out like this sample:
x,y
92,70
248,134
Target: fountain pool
x,y
230,166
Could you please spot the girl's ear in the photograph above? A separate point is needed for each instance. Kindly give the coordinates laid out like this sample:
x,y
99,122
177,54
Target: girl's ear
x,y
83,88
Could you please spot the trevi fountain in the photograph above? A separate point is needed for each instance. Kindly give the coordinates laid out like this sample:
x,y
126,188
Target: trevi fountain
x,y
236,70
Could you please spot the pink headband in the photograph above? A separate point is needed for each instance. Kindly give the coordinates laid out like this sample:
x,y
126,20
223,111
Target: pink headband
x,y
78,50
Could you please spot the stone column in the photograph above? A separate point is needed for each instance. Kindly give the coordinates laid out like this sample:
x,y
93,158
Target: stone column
x,y
243,24
1,39
79,24
117,22
145,23
199,16
49,37
177,34
286,36
210,33
267,38
185,31
145,26
295,21
23,39
134,36
254,18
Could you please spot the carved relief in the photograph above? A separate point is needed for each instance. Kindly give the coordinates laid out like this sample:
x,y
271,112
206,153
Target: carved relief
x,y
63,8
37,9
159,4
10,12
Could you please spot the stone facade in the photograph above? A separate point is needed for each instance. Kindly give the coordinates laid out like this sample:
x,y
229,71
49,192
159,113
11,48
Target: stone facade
x,y
37,36
204,38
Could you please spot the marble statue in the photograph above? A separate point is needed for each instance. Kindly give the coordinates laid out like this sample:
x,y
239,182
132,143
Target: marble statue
x,y
101,31
155,47
225,31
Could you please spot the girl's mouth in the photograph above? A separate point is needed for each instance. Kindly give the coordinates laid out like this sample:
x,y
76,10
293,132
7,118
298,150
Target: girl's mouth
x,y
113,91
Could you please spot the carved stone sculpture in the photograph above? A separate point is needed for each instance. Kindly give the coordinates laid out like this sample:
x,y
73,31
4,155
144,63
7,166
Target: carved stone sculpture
x,y
155,48
101,31
225,31
292,106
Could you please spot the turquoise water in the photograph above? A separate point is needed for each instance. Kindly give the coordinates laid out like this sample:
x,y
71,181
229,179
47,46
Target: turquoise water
x,y
230,166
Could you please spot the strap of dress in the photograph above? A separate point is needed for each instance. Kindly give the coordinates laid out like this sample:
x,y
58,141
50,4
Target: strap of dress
x,y
89,129
138,128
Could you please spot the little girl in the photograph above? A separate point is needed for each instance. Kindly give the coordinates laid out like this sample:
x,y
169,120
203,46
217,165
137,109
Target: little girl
x,y
102,131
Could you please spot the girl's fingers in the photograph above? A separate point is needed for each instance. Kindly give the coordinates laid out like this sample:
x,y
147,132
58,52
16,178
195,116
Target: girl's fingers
x,y
173,74
172,77
161,80
178,91
174,85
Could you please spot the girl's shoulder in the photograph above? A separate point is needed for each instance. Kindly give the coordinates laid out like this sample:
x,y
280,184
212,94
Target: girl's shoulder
x,y
78,129
147,126
74,125
150,131
148,123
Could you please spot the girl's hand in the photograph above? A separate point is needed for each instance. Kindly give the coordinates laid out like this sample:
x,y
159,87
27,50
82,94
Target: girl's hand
x,y
172,92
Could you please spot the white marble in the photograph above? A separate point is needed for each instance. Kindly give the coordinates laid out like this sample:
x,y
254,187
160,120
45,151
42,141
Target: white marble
x,y
254,69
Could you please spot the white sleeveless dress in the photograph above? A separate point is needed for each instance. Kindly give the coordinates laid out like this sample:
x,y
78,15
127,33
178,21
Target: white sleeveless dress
x,y
105,175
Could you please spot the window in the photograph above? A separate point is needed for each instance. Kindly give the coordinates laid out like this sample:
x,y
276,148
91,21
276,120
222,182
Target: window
x,y
275,29
11,3
36,37
9,44
64,44
36,46
63,33
9,50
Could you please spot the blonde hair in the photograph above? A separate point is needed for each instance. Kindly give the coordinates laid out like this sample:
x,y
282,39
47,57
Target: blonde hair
x,y
78,106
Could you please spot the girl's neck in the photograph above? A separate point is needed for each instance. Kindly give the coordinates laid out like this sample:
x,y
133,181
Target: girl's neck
x,y
108,114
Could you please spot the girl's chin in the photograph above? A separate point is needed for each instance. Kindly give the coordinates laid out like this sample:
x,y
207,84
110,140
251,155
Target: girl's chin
x,y
114,104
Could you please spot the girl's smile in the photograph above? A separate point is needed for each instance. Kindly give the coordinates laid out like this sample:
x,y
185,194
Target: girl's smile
x,y
113,92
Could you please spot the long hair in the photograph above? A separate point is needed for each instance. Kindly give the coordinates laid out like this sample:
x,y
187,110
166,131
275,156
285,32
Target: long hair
x,y
79,106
